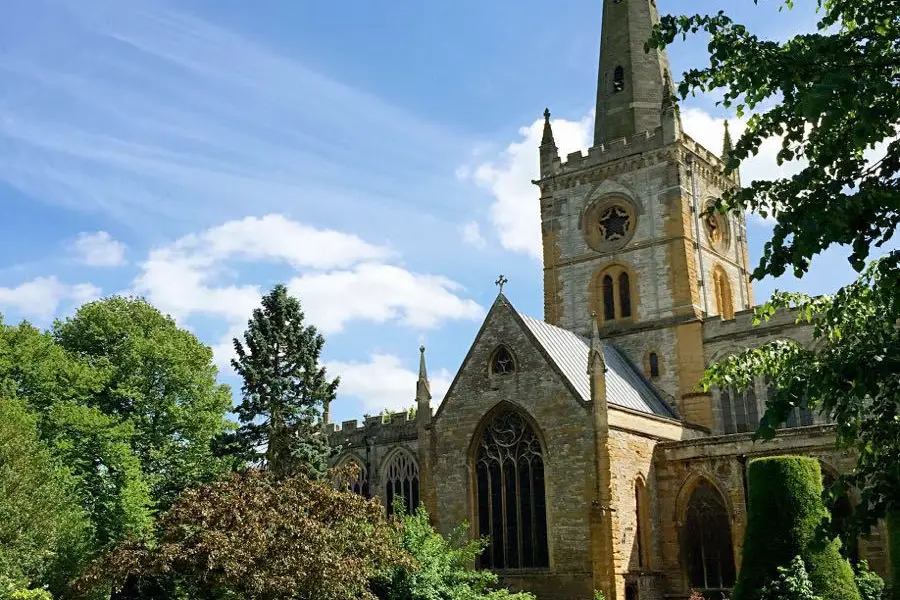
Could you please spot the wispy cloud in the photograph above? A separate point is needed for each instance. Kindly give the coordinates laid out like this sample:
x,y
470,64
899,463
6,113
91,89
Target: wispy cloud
x,y
143,112
42,297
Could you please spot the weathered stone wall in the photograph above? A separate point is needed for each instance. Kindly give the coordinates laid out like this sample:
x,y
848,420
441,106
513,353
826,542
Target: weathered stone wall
x,y
564,425
680,466
373,445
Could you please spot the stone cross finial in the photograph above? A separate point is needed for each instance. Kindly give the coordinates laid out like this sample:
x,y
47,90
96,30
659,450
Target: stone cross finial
x,y
546,114
501,281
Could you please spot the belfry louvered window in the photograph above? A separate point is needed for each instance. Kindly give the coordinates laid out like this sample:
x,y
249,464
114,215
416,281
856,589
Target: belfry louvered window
x,y
619,79
402,481
509,471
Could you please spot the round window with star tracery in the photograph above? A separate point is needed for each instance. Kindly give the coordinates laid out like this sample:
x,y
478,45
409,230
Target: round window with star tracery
x,y
609,225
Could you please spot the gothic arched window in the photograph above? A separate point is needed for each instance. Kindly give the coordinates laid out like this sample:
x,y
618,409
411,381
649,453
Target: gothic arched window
x,y
360,483
502,361
402,481
800,416
512,511
624,295
609,299
707,538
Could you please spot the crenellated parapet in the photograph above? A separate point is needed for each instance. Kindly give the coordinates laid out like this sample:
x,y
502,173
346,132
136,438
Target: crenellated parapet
x,y
390,428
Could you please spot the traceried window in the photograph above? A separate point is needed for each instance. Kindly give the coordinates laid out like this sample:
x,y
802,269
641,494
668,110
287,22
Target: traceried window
x,y
615,223
707,540
614,294
402,481
509,473
360,483
502,361
740,411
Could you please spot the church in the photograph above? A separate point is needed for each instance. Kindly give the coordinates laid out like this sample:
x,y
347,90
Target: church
x,y
579,444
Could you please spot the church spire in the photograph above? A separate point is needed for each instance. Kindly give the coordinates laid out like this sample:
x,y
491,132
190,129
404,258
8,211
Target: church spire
x,y
727,146
630,81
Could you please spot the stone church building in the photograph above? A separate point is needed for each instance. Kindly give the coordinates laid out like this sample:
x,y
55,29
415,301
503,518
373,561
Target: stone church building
x,y
579,444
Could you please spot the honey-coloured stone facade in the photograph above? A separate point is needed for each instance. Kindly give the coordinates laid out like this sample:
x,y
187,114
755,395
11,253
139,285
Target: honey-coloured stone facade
x,y
624,440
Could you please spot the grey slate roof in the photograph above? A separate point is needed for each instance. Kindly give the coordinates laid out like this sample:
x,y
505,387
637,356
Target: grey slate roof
x,y
625,387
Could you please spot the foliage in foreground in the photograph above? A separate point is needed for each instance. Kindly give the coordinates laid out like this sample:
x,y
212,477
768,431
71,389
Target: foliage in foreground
x,y
258,536
832,99
869,584
792,583
285,391
43,531
848,374
784,514
443,566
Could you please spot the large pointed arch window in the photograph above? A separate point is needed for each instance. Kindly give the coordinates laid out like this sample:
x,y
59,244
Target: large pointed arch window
x,y
740,410
707,539
511,501
402,481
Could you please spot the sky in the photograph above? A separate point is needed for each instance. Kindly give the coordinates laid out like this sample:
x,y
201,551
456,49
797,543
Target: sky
x,y
374,156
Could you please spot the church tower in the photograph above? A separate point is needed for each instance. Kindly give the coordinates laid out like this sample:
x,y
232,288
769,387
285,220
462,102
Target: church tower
x,y
625,236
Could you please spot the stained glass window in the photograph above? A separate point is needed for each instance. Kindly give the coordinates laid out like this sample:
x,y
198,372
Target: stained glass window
x,y
509,475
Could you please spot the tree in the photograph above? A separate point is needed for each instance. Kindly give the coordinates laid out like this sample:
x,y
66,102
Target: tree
x,y
830,96
833,99
44,534
784,513
285,391
442,568
95,448
161,380
792,583
263,537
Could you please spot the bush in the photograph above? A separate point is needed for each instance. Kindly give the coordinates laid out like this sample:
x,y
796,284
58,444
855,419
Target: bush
x,y
870,585
443,566
784,516
893,523
792,583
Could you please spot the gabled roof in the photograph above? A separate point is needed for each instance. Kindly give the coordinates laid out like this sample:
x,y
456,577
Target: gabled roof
x,y
625,386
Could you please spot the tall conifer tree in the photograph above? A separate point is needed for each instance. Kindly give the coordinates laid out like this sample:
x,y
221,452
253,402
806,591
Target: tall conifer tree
x,y
285,391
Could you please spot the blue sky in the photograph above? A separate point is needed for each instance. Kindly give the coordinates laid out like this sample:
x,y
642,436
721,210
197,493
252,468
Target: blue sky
x,y
376,156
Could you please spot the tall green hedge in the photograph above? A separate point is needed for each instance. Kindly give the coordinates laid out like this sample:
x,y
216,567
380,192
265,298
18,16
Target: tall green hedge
x,y
893,524
784,512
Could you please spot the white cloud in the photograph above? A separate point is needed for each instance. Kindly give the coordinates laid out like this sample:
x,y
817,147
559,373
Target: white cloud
x,y
515,213
337,276
385,383
471,234
41,297
98,249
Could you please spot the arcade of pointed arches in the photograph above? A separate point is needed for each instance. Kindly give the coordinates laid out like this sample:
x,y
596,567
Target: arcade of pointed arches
x,y
401,478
